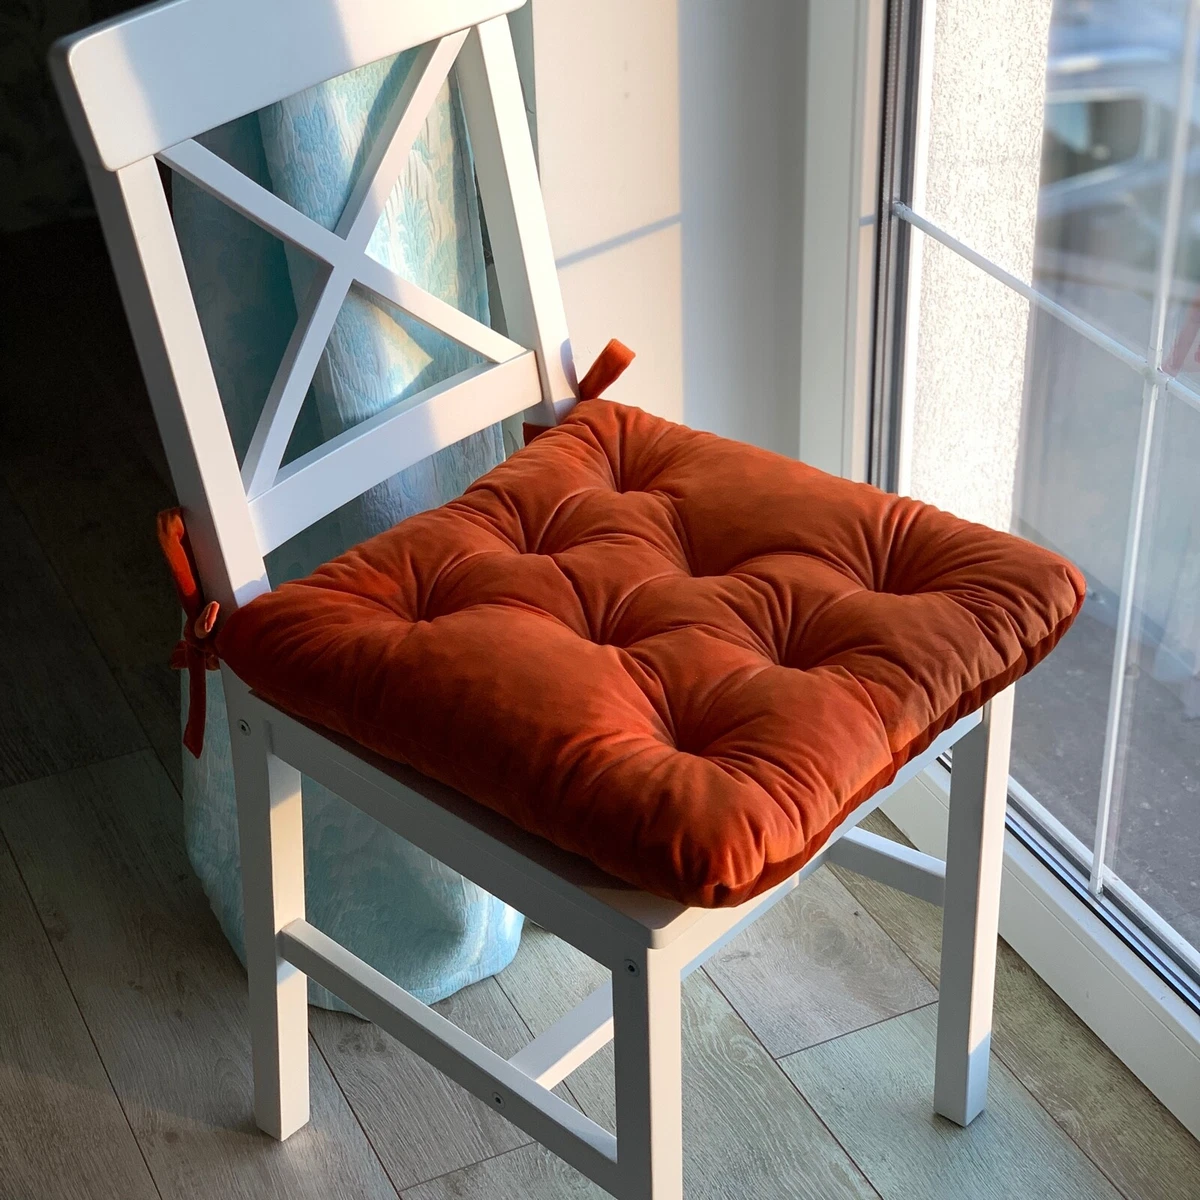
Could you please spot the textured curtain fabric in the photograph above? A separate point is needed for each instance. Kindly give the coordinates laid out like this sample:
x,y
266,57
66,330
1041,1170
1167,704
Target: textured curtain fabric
x,y
421,924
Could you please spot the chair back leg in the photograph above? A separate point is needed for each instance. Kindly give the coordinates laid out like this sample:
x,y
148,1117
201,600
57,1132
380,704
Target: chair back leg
x,y
649,1085
270,828
970,923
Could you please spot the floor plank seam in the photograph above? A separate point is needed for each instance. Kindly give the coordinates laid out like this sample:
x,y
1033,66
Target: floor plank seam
x,y
133,448
850,1032
4,843
166,766
1059,1125
83,766
312,1041
808,1104
408,1191
1012,1070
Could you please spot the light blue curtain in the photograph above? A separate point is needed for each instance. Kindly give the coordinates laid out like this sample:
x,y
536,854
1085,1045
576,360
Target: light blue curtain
x,y
421,924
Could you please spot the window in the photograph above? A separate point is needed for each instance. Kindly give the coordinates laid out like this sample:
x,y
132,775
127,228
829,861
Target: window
x,y
1089,134
1038,369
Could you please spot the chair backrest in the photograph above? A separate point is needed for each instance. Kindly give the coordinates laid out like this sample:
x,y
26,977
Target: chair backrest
x,y
141,88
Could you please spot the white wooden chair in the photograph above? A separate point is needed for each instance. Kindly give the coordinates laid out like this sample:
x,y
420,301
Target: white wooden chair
x,y
137,91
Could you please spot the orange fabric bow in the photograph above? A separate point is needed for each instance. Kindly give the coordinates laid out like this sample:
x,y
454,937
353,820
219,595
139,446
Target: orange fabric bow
x,y
602,374
194,652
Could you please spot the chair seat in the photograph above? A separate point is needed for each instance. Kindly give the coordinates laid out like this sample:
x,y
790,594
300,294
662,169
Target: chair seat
x,y
681,657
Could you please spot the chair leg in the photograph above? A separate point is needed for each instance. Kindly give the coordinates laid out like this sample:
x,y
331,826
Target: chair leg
x,y
272,854
970,923
649,1083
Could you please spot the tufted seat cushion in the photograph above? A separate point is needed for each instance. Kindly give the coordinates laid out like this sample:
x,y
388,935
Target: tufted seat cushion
x,y
681,657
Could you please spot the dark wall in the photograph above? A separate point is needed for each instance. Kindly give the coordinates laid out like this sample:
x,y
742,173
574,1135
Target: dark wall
x,y
43,180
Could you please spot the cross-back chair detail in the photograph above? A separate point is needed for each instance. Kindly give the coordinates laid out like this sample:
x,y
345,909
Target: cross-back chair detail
x,y
530,368
140,90
342,258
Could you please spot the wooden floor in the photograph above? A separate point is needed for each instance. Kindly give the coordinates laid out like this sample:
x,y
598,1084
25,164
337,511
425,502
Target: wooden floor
x,y
124,1057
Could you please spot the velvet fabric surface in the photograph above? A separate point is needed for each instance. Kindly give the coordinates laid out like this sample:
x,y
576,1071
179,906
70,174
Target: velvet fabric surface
x,y
681,657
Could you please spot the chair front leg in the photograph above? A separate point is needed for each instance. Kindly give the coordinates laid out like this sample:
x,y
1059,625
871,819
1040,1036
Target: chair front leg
x,y
649,1084
272,853
970,923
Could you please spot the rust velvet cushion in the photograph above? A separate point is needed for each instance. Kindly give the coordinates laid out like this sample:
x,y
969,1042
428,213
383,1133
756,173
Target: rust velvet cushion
x,y
681,657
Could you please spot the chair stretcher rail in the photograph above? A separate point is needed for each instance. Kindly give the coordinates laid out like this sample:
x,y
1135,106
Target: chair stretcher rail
x,y
890,862
551,1056
552,1121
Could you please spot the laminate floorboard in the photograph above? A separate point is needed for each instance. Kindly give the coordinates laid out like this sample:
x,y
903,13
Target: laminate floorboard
x,y
874,1088
63,1135
1096,1099
747,1133
815,967
529,1173
163,995
59,704
420,1123
96,528
89,491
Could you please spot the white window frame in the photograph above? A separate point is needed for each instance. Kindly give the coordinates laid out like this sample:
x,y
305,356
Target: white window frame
x,y
1066,939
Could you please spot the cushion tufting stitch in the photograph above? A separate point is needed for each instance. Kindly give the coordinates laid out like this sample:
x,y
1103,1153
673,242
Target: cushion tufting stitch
x,y
681,657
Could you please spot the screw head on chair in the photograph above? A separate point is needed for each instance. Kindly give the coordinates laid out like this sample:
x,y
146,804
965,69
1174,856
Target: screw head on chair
x,y
631,968
497,1100
244,726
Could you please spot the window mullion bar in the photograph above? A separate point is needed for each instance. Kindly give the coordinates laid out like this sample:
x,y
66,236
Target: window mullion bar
x,y
1151,392
1180,391
1131,358
1116,691
1171,384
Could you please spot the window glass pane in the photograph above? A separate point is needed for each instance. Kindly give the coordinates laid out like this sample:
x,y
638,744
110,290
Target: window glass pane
x,y
1079,430
1112,81
1154,839
1017,421
1045,139
1087,134
1048,144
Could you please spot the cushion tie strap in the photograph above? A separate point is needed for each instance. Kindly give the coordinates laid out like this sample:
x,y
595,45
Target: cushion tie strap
x,y
602,374
194,652
606,370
